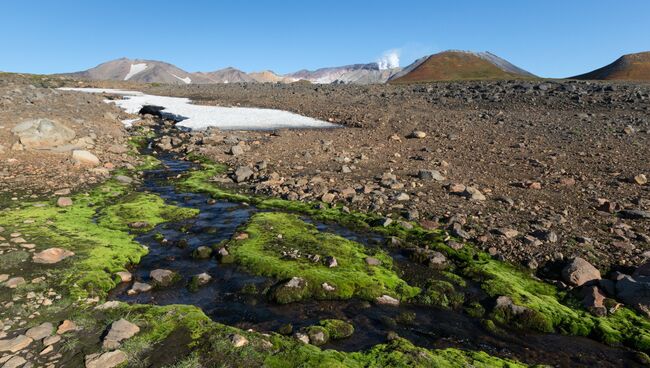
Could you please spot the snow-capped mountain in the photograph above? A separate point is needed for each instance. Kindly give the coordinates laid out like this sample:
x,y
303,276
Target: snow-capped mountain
x,y
143,71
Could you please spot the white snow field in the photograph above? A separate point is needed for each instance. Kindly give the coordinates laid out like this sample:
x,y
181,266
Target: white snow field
x,y
135,69
198,117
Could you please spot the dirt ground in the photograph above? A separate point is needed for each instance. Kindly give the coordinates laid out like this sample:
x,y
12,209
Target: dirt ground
x,y
554,162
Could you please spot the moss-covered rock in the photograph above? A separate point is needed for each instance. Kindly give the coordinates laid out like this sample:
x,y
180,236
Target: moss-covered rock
x,y
337,329
279,244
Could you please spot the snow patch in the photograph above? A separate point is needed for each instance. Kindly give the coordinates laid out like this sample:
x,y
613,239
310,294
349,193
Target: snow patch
x,y
129,122
135,69
186,80
198,117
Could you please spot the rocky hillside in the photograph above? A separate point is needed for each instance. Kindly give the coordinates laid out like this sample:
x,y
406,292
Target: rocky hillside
x,y
459,65
627,67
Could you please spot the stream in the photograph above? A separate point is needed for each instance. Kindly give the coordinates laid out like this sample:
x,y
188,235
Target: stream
x,y
223,301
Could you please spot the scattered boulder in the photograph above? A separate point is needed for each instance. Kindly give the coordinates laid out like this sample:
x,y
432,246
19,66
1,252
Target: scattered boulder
x,y
163,277
16,344
64,202
387,300
425,174
473,194
202,252
201,279
110,359
242,174
51,256
66,326
14,282
372,261
417,134
579,271
84,158
236,150
593,301
634,292
238,340
119,331
124,276
43,134
40,332
15,362
139,287
318,335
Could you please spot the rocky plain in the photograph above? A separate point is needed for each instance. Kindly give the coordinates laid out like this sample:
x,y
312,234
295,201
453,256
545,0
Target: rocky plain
x,y
549,176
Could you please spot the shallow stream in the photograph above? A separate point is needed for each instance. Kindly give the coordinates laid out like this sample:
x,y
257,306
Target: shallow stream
x,y
223,300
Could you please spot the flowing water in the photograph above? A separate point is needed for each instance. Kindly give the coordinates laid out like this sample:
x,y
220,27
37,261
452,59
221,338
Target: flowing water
x,y
224,302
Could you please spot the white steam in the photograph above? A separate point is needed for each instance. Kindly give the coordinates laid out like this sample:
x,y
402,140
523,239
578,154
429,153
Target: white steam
x,y
389,60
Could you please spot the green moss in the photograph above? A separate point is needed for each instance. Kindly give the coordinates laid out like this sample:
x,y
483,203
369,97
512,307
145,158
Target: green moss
x,y
337,329
441,294
101,244
272,235
147,209
552,310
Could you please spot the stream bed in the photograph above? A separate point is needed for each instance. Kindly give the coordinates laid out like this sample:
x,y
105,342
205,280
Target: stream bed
x,y
223,300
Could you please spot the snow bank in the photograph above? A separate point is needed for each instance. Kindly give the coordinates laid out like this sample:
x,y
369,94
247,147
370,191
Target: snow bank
x,y
135,69
199,117
186,80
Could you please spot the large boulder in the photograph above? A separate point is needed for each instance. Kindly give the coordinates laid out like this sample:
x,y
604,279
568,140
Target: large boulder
x,y
52,255
43,134
579,272
635,292
110,359
163,277
84,158
120,330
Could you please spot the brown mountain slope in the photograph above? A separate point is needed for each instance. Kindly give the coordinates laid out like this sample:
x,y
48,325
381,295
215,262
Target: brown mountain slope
x,y
460,65
627,67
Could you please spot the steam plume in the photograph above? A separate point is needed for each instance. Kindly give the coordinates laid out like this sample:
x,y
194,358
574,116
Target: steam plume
x,y
389,60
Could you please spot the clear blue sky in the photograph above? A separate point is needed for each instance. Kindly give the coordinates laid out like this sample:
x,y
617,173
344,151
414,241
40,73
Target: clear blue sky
x,y
547,37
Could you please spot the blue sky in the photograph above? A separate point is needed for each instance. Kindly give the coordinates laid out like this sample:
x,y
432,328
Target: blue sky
x,y
549,38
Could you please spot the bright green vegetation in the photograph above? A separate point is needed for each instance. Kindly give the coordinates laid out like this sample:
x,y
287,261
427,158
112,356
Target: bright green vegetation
x,y
212,346
101,244
337,329
147,209
274,234
553,310
549,310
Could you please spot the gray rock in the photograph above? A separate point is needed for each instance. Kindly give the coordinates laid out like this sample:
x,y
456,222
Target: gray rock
x,y
14,362
372,261
84,158
387,300
51,256
43,134
162,277
110,359
634,292
579,271
140,287
119,331
18,343
40,332
242,174
14,282
236,150
124,179
64,202
473,194
635,214
202,252
424,174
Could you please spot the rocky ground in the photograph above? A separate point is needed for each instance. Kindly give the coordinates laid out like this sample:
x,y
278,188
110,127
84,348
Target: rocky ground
x,y
50,140
535,172
531,172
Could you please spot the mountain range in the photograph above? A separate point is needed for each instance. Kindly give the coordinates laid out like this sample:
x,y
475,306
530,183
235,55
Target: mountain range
x,y
447,65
